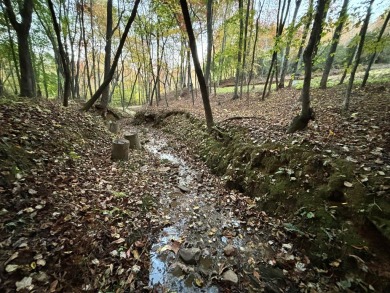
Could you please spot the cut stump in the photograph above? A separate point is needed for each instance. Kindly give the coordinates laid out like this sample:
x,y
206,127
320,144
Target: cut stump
x,y
133,139
120,150
114,127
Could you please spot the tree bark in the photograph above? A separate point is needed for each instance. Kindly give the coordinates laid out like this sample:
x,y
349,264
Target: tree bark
x,y
106,81
133,139
27,84
281,20
120,150
244,51
63,55
239,54
107,57
359,51
300,122
375,54
198,68
308,17
209,42
290,36
335,42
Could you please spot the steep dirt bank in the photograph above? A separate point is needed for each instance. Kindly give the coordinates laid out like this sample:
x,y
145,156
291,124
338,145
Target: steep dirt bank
x,y
71,219
336,211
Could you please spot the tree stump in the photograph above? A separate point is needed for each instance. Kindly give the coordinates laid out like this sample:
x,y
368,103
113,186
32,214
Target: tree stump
x,y
114,127
120,150
133,139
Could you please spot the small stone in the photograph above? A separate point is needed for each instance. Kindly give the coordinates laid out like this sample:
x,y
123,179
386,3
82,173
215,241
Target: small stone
x,y
190,255
230,276
229,250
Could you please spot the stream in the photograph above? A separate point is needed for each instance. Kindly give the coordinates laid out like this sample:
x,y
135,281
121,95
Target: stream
x,y
202,245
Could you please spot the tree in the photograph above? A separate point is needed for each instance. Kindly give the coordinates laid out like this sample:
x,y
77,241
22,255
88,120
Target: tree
x,y
22,28
300,122
107,80
239,53
209,40
290,35
335,42
359,51
107,57
307,21
63,55
376,49
280,22
198,68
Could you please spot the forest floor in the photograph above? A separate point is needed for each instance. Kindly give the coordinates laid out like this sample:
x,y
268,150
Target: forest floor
x,y
72,220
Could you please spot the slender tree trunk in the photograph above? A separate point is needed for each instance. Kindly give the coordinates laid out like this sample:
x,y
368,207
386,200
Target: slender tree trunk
x,y
375,54
300,122
239,54
281,20
308,19
87,71
45,84
27,80
349,63
254,46
96,95
63,55
335,42
13,50
209,42
107,57
359,51
198,68
244,53
290,36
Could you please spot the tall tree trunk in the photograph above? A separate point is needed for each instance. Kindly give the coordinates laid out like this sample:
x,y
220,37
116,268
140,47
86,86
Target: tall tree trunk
x,y
13,50
45,83
107,57
27,84
305,33
244,51
300,122
375,54
290,36
198,68
223,45
209,42
239,53
254,46
88,77
335,42
349,63
101,88
281,20
359,51
63,55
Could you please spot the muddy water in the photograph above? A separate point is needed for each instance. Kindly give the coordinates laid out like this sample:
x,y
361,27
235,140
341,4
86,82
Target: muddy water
x,y
195,221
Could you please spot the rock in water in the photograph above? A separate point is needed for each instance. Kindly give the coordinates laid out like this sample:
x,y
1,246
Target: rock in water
x,y
229,250
190,255
230,276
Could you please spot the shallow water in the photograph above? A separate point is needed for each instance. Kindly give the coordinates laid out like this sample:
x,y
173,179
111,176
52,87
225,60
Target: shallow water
x,y
194,222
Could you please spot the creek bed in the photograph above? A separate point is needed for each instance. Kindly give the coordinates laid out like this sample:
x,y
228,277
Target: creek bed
x,y
195,221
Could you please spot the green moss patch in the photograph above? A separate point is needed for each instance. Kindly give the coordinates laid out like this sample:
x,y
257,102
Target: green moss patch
x,y
319,194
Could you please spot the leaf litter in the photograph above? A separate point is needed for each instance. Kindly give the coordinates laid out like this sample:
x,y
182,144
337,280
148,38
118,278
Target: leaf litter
x,y
68,207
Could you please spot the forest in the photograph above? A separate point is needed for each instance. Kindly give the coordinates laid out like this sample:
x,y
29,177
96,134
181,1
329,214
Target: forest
x,y
194,146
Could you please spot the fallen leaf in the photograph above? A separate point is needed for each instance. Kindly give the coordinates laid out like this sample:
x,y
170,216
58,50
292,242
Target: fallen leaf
x,y
118,241
348,184
11,268
25,283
